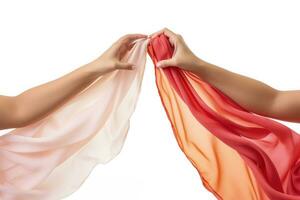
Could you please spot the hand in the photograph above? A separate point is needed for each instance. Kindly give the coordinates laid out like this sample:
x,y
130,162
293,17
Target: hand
x,y
111,59
183,57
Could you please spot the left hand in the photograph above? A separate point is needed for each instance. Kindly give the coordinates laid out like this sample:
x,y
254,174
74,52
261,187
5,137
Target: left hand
x,y
182,57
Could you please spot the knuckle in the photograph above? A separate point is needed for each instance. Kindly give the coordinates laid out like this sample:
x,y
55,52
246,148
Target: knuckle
x,y
176,61
166,29
124,37
179,36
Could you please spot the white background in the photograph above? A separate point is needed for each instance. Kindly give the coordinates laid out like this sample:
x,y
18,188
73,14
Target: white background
x,y
42,40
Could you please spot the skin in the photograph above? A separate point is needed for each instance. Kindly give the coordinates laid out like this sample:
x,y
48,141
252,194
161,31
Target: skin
x,y
17,111
253,95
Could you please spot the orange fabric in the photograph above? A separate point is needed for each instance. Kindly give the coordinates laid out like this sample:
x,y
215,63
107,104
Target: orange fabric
x,y
260,142
221,168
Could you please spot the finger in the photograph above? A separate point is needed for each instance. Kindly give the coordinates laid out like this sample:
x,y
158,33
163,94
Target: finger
x,y
153,35
165,31
171,35
125,43
131,37
124,65
166,63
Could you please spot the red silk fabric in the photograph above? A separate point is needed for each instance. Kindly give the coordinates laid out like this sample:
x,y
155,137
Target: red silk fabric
x,y
260,156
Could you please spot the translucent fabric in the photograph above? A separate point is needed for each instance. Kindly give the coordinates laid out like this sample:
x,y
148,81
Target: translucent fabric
x,y
238,154
50,159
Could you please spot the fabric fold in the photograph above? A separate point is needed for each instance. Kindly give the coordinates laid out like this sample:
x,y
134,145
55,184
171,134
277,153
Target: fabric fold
x,y
238,154
51,158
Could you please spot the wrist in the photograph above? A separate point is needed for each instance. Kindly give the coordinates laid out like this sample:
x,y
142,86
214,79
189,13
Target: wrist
x,y
200,63
202,69
196,64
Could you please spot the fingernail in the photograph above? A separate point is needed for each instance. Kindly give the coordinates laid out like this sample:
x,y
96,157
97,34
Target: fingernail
x,y
158,64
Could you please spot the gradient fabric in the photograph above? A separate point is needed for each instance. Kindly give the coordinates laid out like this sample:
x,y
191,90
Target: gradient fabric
x,y
238,154
50,159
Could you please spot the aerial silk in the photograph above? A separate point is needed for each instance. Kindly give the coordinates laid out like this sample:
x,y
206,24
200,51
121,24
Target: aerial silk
x,y
239,155
50,159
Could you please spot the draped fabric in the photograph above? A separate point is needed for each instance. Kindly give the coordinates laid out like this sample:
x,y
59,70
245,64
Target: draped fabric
x,y
50,159
238,154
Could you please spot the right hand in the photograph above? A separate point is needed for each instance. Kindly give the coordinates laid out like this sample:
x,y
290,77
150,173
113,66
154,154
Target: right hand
x,y
111,59
182,57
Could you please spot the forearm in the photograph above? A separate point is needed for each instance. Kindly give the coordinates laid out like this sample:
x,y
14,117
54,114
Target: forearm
x,y
39,101
251,94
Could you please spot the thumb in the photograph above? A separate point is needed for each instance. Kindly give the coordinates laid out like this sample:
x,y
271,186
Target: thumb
x,y
165,63
124,65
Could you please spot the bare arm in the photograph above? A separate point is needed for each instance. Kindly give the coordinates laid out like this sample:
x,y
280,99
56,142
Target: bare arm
x,y
251,94
37,102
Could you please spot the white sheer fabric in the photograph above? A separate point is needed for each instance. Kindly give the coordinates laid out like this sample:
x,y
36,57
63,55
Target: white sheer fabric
x,y
51,158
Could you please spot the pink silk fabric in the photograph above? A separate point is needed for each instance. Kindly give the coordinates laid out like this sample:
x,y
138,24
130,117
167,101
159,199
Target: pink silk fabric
x,y
239,155
50,159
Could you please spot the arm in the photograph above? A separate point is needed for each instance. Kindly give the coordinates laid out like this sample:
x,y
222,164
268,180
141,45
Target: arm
x,y
251,94
37,102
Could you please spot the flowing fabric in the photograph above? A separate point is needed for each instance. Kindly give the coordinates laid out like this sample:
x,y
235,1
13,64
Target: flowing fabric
x,y
238,154
50,159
